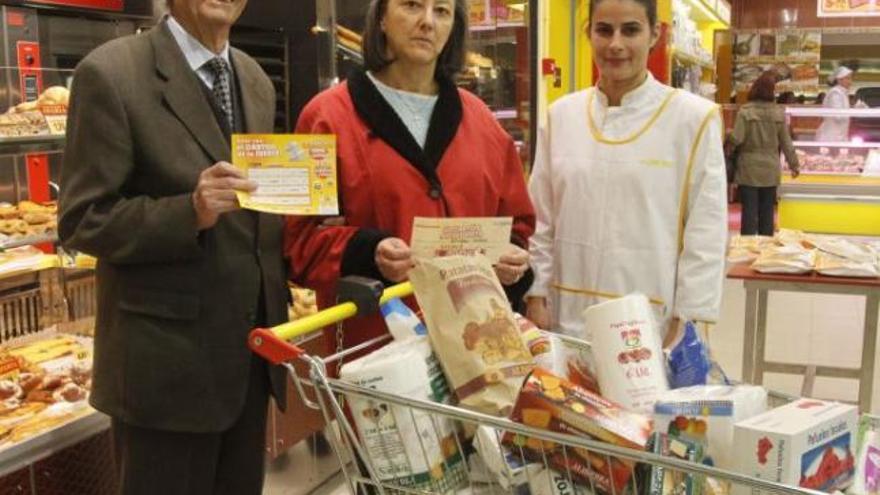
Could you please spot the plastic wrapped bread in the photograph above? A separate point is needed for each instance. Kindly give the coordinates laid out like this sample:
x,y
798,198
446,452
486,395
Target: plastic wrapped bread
x,y
790,259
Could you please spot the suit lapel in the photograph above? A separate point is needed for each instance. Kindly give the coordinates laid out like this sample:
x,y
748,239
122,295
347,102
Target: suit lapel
x,y
257,107
185,97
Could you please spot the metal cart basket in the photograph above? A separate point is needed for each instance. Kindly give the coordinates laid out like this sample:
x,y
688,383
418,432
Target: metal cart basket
x,y
369,467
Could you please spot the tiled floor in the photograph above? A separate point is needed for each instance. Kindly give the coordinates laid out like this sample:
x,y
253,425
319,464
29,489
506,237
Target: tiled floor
x,y
821,329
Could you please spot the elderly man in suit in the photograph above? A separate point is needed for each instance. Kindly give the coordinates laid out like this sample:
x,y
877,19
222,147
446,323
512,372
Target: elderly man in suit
x,y
183,273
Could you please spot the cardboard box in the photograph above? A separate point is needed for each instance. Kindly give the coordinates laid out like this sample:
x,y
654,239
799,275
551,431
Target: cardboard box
x,y
552,403
807,443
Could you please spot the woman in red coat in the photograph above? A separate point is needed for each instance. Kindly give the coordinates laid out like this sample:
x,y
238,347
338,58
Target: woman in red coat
x,y
410,143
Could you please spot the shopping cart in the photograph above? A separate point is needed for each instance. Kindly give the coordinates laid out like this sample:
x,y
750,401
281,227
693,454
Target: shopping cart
x,y
381,467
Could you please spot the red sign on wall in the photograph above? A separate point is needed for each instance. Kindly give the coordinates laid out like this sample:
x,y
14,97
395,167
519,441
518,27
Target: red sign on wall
x,y
116,5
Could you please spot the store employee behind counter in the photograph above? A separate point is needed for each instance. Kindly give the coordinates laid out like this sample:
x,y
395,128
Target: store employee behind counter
x,y
183,273
410,144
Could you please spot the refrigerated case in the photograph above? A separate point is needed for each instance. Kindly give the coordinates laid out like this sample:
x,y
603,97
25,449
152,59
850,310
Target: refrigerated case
x,y
838,190
501,63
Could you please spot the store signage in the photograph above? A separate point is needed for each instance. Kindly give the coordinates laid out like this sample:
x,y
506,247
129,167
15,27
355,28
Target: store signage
x,y
116,5
848,8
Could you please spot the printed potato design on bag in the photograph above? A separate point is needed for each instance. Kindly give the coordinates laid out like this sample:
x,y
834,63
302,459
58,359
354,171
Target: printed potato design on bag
x,y
496,339
636,352
473,331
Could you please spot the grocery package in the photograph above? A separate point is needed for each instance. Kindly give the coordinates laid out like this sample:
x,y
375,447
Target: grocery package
x,y
508,469
536,340
550,482
690,362
627,350
707,414
305,303
788,237
663,481
472,330
844,248
842,257
560,355
838,266
790,258
808,443
553,403
867,477
402,321
746,248
406,445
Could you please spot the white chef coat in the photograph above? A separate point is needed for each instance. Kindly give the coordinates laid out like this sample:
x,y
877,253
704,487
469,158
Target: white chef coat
x,y
835,129
630,199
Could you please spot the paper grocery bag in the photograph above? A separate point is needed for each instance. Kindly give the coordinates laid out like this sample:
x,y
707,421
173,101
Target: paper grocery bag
x,y
473,331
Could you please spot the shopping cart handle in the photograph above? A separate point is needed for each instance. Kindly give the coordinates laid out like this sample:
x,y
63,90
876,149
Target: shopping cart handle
x,y
271,343
267,345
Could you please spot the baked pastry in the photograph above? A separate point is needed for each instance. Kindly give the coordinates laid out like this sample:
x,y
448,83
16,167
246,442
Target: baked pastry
x,y
70,393
9,389
8,212
36,218
29,382
81,372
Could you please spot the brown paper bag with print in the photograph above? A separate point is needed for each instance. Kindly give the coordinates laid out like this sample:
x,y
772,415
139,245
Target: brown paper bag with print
x,y
473,331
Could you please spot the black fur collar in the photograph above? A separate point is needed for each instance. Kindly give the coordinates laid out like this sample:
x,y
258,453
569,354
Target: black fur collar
x,y
385,124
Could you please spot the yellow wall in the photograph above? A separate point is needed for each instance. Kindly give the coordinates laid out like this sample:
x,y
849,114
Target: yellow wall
x,y
560,47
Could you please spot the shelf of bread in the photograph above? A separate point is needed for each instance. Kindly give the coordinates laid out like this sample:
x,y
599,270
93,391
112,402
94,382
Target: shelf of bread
x,y
37,125
26,259
27,223
45,380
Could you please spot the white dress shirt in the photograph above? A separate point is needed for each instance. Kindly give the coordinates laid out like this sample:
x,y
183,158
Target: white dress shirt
x,y
195,52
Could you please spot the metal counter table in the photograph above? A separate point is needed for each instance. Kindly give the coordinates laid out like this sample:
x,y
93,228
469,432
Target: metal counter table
x,y
758,285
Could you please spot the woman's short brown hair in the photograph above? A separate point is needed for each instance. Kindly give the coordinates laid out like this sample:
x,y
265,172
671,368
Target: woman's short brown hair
x,y
764,88
451,59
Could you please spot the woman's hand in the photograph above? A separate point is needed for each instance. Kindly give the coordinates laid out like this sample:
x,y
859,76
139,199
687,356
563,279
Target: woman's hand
x,y
538,313
512,265
394,259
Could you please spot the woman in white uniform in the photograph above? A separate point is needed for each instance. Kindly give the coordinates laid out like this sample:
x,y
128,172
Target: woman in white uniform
x,y
628,185
836,129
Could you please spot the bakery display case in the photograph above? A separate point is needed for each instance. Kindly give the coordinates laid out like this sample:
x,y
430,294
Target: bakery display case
x,y
838,190
500,67
51,440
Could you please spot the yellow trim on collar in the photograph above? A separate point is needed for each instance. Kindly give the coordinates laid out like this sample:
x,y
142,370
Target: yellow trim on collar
x,y
597,134
596,293
686,189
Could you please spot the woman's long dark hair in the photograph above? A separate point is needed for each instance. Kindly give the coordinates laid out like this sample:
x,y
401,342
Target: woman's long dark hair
x,y
451,59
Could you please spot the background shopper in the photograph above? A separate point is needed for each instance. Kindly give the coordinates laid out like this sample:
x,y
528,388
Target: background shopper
x,y
409,144
183,274
759,134
631,196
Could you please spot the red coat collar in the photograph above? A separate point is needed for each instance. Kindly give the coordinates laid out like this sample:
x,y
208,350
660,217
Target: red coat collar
x,y
385,124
